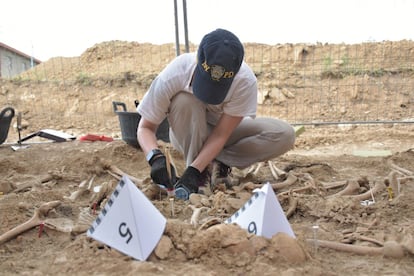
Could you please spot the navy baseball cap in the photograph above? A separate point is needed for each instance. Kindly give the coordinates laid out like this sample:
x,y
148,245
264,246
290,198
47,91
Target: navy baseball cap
x,y
219,57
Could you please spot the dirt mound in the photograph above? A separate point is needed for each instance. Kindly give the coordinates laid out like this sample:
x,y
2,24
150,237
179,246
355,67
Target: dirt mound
x,y
115,58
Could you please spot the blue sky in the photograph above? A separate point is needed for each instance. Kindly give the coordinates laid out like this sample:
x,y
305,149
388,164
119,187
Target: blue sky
x,y
51,28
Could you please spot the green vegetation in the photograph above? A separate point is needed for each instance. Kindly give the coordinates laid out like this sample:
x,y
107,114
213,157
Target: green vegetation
x,y
344,67
84,79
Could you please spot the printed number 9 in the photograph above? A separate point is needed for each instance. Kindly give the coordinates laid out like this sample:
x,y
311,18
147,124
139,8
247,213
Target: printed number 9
x,y
252,228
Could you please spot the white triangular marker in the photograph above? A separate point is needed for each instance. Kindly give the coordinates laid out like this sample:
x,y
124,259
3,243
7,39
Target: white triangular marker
x,y
262,214
129,222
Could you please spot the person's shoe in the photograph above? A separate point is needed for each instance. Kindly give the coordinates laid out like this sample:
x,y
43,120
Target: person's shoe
x,y
221,174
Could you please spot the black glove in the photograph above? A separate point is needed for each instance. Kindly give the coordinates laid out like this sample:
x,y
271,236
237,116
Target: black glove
x,y
159,173
188,183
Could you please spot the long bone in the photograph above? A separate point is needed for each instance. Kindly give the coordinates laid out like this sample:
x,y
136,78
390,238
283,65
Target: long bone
x,y
118,173
34,221
290,180
400,169
390,249
333,185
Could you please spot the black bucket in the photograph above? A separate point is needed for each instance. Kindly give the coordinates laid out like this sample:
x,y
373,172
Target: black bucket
x,y
128,122
6,117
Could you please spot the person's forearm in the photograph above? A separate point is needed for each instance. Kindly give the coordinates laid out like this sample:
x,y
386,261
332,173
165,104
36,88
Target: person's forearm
x,y
216,141
146,139
212,147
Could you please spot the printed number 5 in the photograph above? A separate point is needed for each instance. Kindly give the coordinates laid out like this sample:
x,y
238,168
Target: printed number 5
x,y
125,232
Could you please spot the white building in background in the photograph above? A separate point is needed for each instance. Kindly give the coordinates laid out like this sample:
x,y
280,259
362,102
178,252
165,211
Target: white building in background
x,y
14,62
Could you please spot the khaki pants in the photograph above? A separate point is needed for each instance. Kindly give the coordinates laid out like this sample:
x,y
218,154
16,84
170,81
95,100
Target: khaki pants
x,y
252,141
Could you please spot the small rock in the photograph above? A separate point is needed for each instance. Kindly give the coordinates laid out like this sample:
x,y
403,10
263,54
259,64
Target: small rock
x,y
287,248
164,247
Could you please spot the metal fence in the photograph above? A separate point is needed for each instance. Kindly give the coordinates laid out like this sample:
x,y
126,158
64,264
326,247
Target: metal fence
x,y
337,84
315,84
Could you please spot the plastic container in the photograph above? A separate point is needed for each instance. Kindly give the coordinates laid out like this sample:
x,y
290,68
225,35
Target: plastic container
x,y
6,116
128,122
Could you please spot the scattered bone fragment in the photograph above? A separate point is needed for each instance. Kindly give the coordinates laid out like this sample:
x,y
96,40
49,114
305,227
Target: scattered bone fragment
x,y
311,181
118,173
259,166
351,188
280,173
84,221
334,185
76,194
250,169
368,239
358,234
59,224
272,170
394,183
210,222
405,179
28,185
290,180
49,179
400,169
378,187
297,190
104,190
90,185
84,187
293,204
195,217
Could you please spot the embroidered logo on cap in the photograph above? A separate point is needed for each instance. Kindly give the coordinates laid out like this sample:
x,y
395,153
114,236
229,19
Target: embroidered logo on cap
x,y
217,71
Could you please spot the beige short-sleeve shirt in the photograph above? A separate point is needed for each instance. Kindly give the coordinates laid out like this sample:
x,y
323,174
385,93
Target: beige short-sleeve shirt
x,y
241,99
